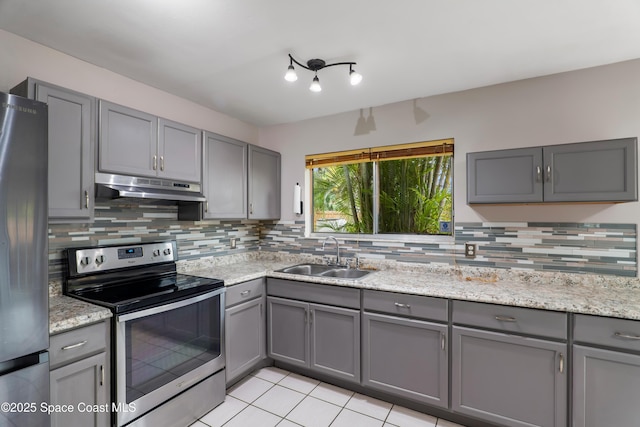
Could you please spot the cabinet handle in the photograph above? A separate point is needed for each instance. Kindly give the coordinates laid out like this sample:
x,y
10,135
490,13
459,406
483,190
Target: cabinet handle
x,y
400,305
245,293
505,319
162,163
260,309
443,341
101,375
72,346
310,316
626,336
251,208
155,162
86,199
538,174
206,207
561,363
548,173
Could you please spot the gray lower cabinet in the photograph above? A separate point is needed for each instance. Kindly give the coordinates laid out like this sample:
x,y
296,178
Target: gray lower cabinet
x,y
406,357
595,171
245,335
79,377
264,183
320,337
224,177
606,381
72,132
405,346
509,365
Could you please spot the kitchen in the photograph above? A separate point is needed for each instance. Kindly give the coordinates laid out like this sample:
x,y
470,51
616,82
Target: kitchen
x,y
590,104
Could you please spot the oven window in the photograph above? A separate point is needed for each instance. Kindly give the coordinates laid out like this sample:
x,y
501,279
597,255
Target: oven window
x,y
164,346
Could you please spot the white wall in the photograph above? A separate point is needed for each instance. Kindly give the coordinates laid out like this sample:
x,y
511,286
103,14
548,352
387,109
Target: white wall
x,y
21,58
591,104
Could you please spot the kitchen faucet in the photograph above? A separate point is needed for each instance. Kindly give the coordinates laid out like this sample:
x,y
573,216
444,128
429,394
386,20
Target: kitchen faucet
x,y
337,247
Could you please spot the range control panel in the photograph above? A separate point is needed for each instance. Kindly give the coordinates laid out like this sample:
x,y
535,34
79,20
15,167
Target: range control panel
x,y
90,260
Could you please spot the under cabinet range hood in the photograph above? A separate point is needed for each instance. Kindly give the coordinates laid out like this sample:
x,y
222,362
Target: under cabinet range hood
x,y
109,186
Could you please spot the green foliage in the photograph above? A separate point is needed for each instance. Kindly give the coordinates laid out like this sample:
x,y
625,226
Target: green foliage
x,y
415,195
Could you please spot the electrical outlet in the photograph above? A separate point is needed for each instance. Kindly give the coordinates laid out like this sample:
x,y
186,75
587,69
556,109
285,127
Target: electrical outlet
x,y
232,243
470,250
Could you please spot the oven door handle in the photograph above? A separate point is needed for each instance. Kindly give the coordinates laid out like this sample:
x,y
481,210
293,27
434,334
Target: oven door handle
x,y
170,306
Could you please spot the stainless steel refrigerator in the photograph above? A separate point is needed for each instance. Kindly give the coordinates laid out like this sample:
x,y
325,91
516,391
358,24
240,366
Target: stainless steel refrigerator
x,y
24,303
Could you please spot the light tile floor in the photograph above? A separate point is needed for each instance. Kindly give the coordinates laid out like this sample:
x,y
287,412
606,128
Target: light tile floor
x,y
275,397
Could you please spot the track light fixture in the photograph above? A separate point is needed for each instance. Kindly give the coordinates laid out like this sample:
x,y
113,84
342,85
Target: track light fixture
x,y
316,65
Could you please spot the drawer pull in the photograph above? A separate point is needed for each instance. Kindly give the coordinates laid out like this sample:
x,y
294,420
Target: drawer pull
x,y
627,336
76,345
561,363
245,293
505,319
400,305
101,375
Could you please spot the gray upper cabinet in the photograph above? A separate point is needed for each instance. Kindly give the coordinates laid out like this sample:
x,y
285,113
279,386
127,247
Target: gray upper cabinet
x,y
597,171
224,177
179,151
71,141
128,141
264,183
136,143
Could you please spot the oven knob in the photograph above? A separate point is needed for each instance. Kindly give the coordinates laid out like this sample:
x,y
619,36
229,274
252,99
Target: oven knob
x,y
99,259
167,251
156,252
85,260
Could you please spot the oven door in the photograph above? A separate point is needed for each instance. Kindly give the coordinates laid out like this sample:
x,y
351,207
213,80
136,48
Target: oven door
x,y
162,351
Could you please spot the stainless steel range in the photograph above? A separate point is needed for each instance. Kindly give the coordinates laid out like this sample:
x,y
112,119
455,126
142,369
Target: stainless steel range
x,y
167,331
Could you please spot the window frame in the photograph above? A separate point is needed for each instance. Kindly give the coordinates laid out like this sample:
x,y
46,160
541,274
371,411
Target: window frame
x,y
390,152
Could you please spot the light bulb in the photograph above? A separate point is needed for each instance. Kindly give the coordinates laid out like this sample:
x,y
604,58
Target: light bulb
x,y
291,75
354,77
315,85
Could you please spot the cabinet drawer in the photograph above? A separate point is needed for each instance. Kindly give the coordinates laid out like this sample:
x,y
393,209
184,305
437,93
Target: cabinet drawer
x,y
607,331
511,319
244,292
406,305
77,343
313,292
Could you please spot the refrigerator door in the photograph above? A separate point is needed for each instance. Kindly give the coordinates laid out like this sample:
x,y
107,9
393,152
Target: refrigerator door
x,y
24,306
25,395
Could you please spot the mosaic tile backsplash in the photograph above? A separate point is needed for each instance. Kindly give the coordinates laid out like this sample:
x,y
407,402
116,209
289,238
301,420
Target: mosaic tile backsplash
x,y
589,248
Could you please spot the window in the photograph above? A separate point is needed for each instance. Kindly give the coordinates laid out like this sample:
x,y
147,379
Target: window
x,y
402,189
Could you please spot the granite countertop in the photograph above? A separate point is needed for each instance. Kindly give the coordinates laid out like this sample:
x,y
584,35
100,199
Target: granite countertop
x,y
68,313
567,292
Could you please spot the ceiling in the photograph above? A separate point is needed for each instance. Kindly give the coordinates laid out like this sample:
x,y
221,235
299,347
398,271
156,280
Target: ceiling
x,y
231,55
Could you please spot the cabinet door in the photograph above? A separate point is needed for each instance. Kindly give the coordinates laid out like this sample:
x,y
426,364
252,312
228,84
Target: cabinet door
x,y
179,151
81,384
505,176
335,341
509,380
606,388
591,171
244,337
128,141
264,183
71,137
225,177
288,333
406,357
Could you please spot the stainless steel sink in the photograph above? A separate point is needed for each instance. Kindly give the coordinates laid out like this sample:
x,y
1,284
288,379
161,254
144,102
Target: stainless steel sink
x,y
345,273
307,269
321,270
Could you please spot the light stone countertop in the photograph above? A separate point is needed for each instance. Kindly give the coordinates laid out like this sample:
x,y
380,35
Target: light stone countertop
x,y
567,292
